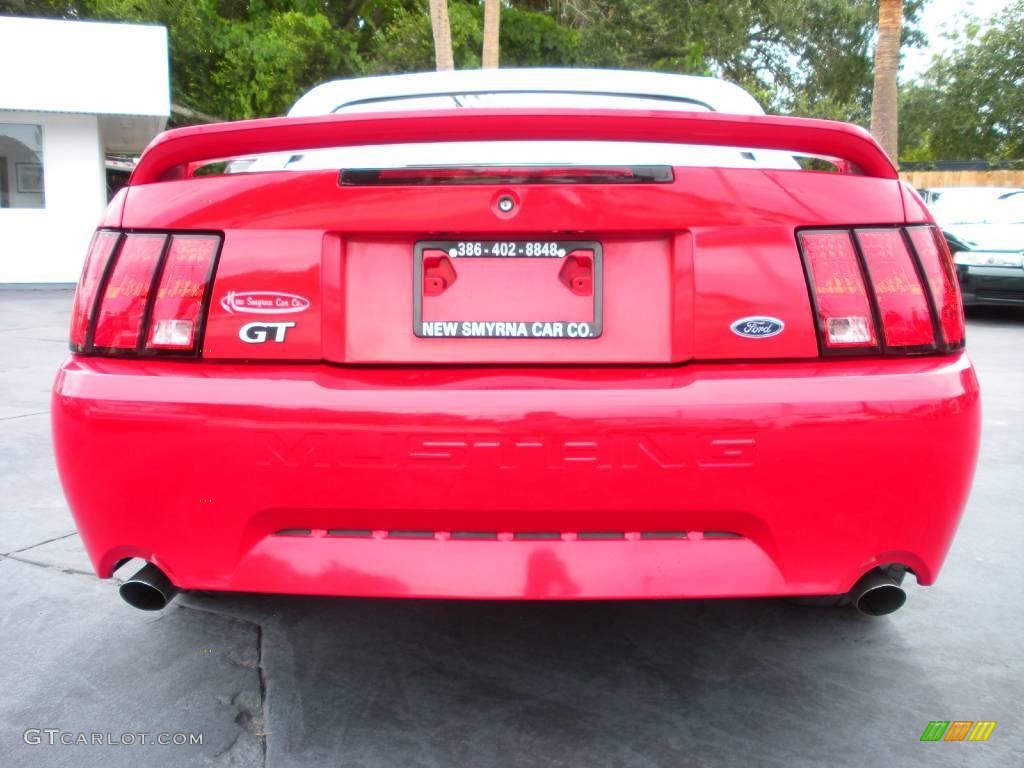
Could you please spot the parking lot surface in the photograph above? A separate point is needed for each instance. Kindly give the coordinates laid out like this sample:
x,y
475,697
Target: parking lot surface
x,y
348,682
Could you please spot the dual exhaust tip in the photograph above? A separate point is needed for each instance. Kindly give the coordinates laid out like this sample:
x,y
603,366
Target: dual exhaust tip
x,y
149,589
876,594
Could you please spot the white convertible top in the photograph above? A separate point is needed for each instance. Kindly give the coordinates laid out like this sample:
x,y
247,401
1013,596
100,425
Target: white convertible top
x,y
368,93
522,88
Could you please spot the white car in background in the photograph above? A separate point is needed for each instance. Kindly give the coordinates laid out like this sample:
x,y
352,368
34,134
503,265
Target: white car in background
x,y
984,227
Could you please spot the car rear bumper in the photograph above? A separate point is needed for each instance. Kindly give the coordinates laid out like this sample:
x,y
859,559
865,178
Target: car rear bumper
x,y
991,286
788,479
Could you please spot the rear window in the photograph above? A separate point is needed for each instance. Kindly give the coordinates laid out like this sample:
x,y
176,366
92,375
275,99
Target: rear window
x,y
541,154
523,99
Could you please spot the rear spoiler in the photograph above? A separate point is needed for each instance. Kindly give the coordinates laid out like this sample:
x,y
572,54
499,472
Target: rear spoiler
x,y
170,151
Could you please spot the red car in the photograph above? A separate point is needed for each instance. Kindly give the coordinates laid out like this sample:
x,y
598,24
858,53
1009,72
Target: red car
x,y
523,334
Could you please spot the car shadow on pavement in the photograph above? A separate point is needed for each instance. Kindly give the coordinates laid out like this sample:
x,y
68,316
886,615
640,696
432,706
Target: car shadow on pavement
x,y
449,683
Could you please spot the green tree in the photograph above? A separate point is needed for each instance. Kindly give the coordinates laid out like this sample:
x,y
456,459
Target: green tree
x,y
241,58
970,103
527,39
796,56
406,44
531,39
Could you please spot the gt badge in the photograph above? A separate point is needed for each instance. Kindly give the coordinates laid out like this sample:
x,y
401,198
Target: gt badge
x,y
757,327
259,333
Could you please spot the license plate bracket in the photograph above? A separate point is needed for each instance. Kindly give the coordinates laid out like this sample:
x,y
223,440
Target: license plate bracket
x,y
511,289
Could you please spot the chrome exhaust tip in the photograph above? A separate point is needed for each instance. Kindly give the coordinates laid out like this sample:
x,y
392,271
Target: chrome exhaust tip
x,y
877,594
149,589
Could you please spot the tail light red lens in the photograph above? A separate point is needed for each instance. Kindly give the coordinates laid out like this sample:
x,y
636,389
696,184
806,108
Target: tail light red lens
x,y
845,320
887,280
906,318
937,264
149,290
96,260
179,297
119,319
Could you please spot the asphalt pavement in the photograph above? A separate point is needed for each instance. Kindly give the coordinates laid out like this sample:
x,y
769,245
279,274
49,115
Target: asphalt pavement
x,y
350,682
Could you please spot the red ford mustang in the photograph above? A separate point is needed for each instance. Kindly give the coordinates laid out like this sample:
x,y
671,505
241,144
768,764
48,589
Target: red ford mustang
x,y
518,334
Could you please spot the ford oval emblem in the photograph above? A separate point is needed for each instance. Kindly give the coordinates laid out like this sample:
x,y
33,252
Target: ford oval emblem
x,y
757,327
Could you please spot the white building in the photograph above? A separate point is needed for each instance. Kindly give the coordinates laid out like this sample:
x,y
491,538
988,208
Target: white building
x,y
70,92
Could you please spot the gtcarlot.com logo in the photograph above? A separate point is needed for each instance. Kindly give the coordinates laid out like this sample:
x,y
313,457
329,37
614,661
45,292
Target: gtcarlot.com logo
x,y
958,730
54,736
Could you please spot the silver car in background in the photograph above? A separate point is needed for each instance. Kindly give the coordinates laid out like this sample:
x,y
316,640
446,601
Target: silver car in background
x,y
984,227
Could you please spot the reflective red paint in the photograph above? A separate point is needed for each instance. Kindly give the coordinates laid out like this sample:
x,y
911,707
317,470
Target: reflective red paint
x,y
797,458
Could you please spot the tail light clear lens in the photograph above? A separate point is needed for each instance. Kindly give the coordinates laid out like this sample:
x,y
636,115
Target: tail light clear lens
x,y
938,269
902,303
896,282
96,260
152,290
854,331
844,311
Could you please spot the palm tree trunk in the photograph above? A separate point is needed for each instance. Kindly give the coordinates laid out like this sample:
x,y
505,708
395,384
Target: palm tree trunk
x,y
884,115
492,24
442,30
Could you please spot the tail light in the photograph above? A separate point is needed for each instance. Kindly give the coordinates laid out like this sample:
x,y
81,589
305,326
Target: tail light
x,y
937,262
902,303
143,293
882,290
96,260
126,293
844,308
174,322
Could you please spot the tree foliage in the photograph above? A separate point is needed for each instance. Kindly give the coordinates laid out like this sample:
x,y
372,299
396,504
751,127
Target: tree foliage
x,y
970,104
244,58
528,39
248,58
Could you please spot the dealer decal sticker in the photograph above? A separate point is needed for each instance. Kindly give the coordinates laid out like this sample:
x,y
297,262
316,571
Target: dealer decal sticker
x,y
264,302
